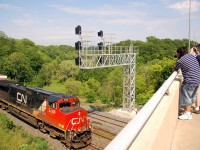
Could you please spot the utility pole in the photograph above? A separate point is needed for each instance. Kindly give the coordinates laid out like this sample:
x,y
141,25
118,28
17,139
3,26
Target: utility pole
x,y
189,24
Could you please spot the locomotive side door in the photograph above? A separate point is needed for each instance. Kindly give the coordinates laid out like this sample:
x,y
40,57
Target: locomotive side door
x,y
52,108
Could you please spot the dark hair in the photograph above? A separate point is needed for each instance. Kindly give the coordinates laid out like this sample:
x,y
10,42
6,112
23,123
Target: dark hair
x,y
181,51
197,46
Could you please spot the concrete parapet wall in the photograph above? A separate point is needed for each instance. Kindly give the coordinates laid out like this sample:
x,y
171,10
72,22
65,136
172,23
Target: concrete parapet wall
x,y
158,132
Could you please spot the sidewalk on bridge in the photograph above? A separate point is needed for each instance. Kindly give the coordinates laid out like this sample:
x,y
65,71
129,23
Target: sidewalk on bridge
x,y
187,134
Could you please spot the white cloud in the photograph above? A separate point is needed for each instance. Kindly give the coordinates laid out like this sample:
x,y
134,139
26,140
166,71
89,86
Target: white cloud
x,y
138,4
126,21
166,2
55,33
4,6
130,20
184,6
51,21
105,11
27,20
57,37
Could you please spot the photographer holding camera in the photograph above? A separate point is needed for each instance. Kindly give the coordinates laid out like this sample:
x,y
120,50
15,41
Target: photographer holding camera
x,y
191,80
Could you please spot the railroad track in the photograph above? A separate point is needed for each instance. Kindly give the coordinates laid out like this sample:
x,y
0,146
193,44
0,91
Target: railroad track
x,y
105,127
109,118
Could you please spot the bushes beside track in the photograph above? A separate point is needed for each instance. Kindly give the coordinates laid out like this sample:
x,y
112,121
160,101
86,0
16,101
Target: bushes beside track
x,y
14,138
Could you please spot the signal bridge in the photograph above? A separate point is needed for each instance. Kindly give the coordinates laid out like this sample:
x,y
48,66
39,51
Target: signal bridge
x,y
108,54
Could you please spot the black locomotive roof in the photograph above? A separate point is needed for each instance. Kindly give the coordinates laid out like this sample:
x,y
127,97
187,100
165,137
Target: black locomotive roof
x,y
55,97
18,86
6,83
40,90
51,96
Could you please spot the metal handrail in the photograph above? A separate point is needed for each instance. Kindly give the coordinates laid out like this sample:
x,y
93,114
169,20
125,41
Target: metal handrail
x,y
129,133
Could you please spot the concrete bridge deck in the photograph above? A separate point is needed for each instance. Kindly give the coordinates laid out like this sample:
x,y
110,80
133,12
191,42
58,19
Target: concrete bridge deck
x,y
187,134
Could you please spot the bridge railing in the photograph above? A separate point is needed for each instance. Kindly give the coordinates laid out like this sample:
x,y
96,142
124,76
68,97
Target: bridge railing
x,y
127,136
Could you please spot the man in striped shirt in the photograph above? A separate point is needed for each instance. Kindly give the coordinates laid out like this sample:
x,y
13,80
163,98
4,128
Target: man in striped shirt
x,y
191,80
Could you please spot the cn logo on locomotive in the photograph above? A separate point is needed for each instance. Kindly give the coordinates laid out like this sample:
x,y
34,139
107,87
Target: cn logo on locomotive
x,y
21,98
77,120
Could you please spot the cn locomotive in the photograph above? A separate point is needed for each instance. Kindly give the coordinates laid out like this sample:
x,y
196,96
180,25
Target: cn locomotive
x,y
57,114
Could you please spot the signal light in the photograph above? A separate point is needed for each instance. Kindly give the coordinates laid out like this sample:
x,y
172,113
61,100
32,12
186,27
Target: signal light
x,y
100,33
100,45
78,30
78,45
78,61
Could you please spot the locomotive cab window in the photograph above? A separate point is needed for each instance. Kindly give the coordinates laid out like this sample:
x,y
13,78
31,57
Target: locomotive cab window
x,y
76,103
66,104
53,105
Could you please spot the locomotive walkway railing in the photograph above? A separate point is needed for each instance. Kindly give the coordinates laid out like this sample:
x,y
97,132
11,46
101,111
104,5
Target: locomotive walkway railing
x,y
127,136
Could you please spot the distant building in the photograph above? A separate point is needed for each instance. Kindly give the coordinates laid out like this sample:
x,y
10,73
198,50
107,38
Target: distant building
x,y
3,77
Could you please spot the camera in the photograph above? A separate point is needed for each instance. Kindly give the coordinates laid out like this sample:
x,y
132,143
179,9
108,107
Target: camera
x,y
177,55
181,51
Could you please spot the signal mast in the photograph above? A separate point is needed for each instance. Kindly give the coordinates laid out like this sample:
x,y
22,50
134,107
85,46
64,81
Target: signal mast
x,y
107,54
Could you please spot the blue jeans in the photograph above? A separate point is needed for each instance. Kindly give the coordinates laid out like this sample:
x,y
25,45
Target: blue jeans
x,y
188,94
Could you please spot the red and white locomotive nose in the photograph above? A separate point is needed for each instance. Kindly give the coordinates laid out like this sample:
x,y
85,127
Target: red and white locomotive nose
x,y
80,121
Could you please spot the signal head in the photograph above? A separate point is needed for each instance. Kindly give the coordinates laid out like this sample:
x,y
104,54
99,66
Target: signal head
x,y
100,33
78,45
78,30
100,45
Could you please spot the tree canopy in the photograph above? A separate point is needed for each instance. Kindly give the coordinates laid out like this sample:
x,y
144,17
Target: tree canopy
x,y
35,65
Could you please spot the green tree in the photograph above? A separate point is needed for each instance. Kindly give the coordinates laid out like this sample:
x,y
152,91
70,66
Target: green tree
x,y
98,74
3,35
24,44
149,77
6,45
74,87
67,70
34,58
90,96
44,75
17,67
93,84
112,88
69,51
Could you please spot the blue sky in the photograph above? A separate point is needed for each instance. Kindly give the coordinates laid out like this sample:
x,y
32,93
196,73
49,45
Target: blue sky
x,y
50,22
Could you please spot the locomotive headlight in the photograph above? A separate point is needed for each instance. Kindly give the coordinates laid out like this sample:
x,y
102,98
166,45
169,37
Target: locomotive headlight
x,y
79,113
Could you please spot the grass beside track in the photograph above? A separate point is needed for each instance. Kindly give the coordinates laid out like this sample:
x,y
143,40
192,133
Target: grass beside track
x,y
14,138
56,87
